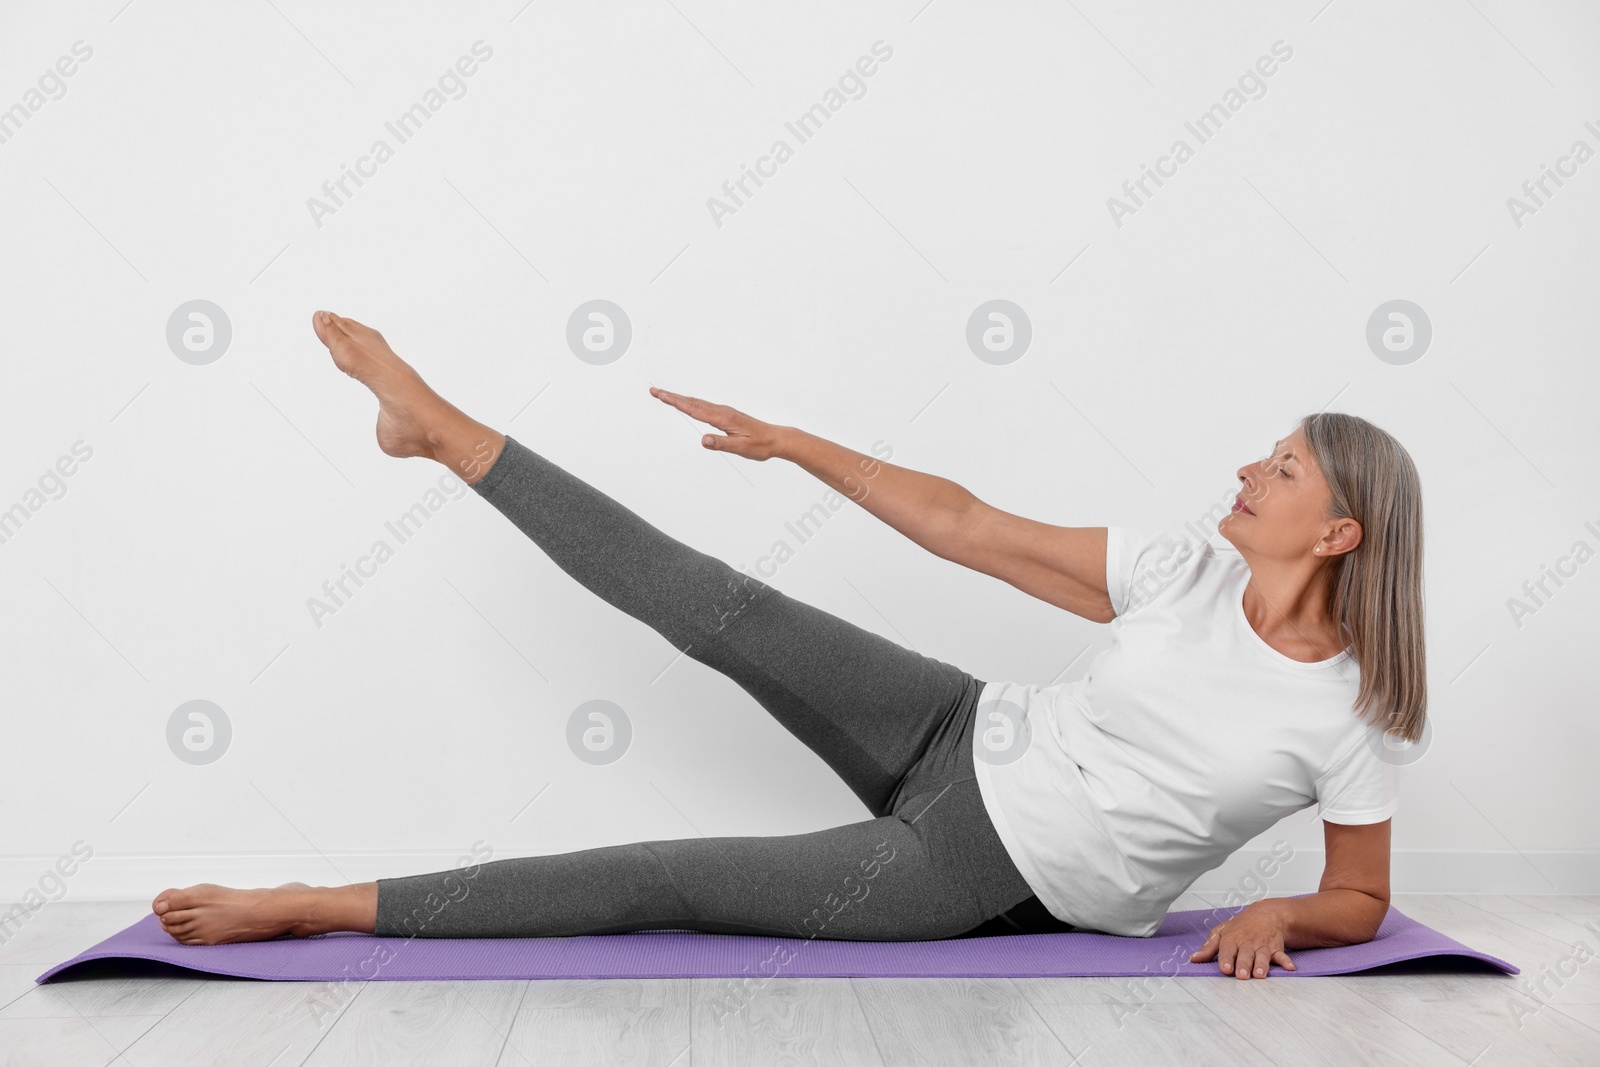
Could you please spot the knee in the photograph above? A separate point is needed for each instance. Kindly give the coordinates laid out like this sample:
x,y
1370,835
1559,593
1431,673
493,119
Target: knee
x,y
738,595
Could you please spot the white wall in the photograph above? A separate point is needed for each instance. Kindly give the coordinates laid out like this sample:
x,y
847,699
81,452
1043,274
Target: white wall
x,y
426,713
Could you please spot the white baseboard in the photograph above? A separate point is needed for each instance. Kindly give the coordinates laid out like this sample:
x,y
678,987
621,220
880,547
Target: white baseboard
x,y
123,876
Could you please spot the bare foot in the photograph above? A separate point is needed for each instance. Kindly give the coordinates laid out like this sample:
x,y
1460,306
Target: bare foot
x,y
407,407
209,914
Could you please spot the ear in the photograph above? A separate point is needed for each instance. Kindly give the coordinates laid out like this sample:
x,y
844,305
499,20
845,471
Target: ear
x,y
1343,535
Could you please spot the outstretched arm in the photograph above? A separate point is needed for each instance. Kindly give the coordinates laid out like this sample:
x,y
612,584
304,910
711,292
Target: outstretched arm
x,y
1061,565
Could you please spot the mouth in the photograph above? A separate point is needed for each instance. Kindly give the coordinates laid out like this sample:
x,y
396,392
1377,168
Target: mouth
x,y
1239,505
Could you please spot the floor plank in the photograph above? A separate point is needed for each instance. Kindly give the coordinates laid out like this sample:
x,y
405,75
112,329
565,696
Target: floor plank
x,y
59,931
1481,1022
240,1020
424,1023
1159,1032
99,990
1587,1014
75,1042
1560,905
1314,1020
781,1020
16,980
643,1021
958,1021
1114,994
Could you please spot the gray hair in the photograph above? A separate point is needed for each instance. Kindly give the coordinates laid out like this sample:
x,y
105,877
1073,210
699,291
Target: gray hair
x,y
1377,586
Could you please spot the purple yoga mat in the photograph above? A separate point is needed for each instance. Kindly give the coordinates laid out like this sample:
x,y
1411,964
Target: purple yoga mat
x,y
689,954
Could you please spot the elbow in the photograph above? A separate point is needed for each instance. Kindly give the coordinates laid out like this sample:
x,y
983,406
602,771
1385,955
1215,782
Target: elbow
x,y
1376,911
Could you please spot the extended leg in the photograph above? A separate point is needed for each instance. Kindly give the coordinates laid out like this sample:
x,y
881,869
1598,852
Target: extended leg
x,y
863,703
933,868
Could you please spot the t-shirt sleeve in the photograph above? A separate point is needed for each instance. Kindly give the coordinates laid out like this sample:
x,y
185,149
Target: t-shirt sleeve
x,y
1139,563
1359,788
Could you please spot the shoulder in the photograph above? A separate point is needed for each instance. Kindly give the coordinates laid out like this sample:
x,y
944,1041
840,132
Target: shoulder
x,y
1148,563
1360,781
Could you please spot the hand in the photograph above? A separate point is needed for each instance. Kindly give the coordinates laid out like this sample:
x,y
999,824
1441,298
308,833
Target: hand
x,y
1248,944
745,436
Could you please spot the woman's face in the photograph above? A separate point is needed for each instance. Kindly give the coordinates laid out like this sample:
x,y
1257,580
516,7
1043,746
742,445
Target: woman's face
x,y
1279,511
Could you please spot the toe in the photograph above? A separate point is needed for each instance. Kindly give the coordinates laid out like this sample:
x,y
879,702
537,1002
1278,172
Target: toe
x,y
327,327
355,329
191,897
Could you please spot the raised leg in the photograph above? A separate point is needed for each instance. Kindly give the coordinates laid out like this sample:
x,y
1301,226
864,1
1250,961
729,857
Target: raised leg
x,y
866,705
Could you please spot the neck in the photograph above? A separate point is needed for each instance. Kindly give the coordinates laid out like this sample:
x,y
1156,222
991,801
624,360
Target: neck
x,y
1288,604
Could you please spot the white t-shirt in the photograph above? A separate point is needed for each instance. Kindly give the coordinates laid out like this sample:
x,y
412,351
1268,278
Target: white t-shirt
x,y
1187,737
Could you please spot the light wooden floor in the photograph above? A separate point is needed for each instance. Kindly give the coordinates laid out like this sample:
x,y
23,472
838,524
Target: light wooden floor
x,y
1411,1019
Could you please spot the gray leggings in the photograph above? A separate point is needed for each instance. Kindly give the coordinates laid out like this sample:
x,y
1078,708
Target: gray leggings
x,y
895,725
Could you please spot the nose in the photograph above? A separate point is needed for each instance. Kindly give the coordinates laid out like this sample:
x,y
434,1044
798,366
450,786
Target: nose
x,y
1252,478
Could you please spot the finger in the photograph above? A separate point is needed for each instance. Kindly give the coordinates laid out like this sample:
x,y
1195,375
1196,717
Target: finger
x,y
672,400
1263,961
695,408
1206,950
704,410
1226,951
1281,958
678,400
